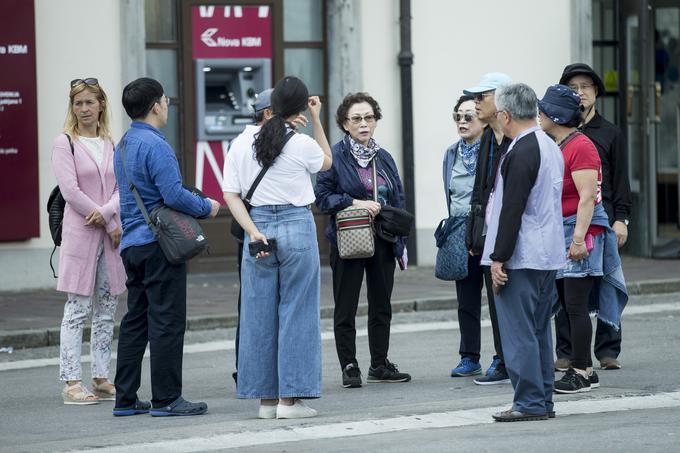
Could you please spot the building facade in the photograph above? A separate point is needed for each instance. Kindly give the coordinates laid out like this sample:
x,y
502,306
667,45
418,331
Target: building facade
x,y
212,56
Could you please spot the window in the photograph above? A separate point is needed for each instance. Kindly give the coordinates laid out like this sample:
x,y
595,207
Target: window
x,y
606,56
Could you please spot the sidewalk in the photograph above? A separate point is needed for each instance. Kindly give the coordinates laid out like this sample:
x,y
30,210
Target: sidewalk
x,y
32,318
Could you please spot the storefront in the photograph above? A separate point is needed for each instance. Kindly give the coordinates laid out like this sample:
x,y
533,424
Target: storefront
x,y
636,47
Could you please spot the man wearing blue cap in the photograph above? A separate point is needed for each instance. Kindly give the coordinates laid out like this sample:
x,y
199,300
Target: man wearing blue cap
x,y
493,145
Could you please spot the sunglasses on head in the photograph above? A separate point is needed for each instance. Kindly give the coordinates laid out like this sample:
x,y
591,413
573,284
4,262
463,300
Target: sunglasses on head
x,y
458,117
91,81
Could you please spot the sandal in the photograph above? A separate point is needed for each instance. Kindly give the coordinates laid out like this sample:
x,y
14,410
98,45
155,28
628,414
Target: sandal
x,y
106,391
78,394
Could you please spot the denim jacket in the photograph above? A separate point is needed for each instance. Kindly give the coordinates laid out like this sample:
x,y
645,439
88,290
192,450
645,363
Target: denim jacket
x,y
610,295
337,187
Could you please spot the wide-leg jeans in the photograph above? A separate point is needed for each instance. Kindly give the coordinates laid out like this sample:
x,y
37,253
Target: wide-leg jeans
x,y
280,334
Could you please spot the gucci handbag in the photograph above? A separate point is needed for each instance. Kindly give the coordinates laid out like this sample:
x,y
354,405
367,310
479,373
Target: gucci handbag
x,y
356,238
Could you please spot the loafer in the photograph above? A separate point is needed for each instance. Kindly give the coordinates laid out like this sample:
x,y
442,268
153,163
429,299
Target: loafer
x,y
610,363
517,416
140,407
179,407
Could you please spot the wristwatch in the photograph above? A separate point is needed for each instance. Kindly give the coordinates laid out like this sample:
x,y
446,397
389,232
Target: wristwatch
x,y
625,221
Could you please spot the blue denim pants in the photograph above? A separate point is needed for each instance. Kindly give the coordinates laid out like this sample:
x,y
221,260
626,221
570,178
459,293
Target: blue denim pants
x,y
280,334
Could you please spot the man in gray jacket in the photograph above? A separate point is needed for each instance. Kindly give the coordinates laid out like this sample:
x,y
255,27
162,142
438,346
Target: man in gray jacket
x,y
524,247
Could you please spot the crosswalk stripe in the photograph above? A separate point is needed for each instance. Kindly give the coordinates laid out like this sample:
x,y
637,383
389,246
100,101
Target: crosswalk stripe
x,y
452,419
228,345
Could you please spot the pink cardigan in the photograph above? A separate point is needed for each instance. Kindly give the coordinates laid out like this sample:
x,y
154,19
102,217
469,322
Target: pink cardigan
x,y
85,186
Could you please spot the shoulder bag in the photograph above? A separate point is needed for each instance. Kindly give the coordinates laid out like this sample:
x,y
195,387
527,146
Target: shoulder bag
x,y
355,234
179,235
452,254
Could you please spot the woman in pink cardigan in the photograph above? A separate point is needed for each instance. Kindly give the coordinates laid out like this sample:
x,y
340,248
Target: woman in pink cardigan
x,y
90,268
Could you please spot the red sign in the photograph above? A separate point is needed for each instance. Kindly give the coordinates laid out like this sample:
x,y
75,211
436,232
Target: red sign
x,y
231,32
19,188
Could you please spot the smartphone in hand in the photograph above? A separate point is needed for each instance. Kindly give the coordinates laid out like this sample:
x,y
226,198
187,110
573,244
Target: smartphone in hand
x,y
256,247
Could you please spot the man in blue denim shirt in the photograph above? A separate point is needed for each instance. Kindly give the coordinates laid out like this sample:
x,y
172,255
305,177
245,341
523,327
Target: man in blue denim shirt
x,y
156,289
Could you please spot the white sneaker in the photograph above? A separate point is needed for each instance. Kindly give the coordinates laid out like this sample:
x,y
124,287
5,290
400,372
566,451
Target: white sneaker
x,y
298,410
267,411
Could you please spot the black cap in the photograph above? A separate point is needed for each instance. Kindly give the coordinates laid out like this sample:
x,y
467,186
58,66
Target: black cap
x,y
561,104
582,69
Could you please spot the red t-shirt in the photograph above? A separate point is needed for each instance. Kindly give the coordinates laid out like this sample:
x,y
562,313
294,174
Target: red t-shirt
x,y
579,154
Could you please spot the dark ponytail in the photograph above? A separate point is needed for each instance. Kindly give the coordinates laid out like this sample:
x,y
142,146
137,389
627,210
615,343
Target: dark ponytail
x,y
290,97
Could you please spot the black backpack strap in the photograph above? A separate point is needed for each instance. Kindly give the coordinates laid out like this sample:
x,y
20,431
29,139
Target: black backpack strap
x,y
70,142
133,189
260,175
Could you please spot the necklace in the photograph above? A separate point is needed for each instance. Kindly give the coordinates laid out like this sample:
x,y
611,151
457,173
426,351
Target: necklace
x,y
566,139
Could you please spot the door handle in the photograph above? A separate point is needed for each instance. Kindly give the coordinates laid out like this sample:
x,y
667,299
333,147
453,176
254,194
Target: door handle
x,y
657,102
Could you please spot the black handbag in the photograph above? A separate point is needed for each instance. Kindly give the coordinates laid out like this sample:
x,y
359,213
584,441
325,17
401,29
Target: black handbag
x,y
475,230
179,235
392,222
236,229
55,211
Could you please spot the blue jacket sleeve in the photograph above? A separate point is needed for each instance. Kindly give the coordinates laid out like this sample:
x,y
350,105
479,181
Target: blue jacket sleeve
x,y
329,196
164,171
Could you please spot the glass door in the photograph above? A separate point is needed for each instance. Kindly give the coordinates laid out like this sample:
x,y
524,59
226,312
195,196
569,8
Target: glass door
x,y
666,123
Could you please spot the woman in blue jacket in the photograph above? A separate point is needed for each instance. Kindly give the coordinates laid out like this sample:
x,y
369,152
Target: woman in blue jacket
x,y
349,183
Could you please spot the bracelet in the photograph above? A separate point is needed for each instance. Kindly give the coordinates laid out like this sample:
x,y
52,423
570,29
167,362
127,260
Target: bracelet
x,y
573,241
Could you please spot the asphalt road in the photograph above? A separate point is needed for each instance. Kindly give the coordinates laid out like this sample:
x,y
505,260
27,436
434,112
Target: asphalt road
x,y
636,409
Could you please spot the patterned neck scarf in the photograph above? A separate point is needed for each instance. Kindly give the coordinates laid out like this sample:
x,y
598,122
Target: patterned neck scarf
x,y
363,154
469,155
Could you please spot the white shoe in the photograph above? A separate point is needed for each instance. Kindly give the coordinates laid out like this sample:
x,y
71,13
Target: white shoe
x,y
267,411
298,410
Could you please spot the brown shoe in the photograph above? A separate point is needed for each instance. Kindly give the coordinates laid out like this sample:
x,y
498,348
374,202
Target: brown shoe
x,y
562,364
78,394
610,363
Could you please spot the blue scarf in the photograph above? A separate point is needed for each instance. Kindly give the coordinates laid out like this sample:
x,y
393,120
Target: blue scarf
x,y
363,154
469,155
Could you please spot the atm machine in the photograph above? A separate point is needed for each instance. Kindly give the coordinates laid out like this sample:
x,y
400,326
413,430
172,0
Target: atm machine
x,y
226,90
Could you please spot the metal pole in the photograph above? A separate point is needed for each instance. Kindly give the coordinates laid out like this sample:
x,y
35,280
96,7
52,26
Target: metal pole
x,y
405,63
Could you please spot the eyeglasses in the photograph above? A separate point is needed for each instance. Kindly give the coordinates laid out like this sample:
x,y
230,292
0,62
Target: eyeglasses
x,y
91,81
479,97
582,87
468,117
357,119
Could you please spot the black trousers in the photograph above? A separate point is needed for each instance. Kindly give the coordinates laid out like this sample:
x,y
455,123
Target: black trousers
x,y
156,315
469,295
607,339
574,294
347,278
494,317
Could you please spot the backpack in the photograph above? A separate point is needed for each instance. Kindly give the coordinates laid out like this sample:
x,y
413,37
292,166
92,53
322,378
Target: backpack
x,y
55,211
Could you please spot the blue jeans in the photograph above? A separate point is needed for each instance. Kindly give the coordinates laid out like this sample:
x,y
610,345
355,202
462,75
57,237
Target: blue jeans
x,y
280,334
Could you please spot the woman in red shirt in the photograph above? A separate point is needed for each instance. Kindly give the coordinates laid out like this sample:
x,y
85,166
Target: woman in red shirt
x,y
559,113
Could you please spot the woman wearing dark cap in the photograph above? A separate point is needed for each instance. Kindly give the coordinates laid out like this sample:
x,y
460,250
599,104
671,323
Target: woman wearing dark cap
x,y
589,241
280,341
349,183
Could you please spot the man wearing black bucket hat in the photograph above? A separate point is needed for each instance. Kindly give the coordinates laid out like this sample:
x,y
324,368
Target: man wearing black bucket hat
x,y
611,147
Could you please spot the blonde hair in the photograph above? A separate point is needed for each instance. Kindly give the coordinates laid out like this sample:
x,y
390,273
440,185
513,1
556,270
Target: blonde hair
x,y
71,123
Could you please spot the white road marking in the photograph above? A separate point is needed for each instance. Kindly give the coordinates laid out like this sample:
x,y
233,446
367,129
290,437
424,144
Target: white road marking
x,y
452,419
228,345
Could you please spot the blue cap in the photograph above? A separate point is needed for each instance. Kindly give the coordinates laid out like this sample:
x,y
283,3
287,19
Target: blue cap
x,y
489,82
561,104
263,100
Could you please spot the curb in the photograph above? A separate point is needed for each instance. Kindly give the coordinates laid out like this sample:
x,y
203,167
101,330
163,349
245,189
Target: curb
x,y
37,338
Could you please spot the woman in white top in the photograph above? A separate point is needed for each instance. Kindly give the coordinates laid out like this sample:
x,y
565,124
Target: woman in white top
x,y
279,340
90,268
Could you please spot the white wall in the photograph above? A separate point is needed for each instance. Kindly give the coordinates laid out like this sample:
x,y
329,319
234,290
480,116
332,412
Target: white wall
x,y
454,43
74,39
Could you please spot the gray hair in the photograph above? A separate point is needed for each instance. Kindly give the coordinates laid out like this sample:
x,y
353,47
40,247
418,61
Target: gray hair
x,y
519,100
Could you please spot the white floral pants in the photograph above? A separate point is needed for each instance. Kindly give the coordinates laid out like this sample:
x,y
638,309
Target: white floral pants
x,y
102,305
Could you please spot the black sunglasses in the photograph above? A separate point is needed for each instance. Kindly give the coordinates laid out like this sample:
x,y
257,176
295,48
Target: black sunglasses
x,y
458,117
91,81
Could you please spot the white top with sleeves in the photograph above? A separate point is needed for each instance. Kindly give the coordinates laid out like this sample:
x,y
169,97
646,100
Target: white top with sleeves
x,y
288,181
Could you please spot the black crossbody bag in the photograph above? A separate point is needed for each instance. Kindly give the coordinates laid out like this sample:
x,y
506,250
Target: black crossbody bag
x,y
236,230
179,235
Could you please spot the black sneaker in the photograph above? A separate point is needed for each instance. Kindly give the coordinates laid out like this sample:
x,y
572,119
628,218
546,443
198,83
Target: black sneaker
x,y
498,376
572,382
351,376
387,373
594,380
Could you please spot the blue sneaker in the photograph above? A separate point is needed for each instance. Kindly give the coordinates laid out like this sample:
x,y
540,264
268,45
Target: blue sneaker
x,y
466,367
492,367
